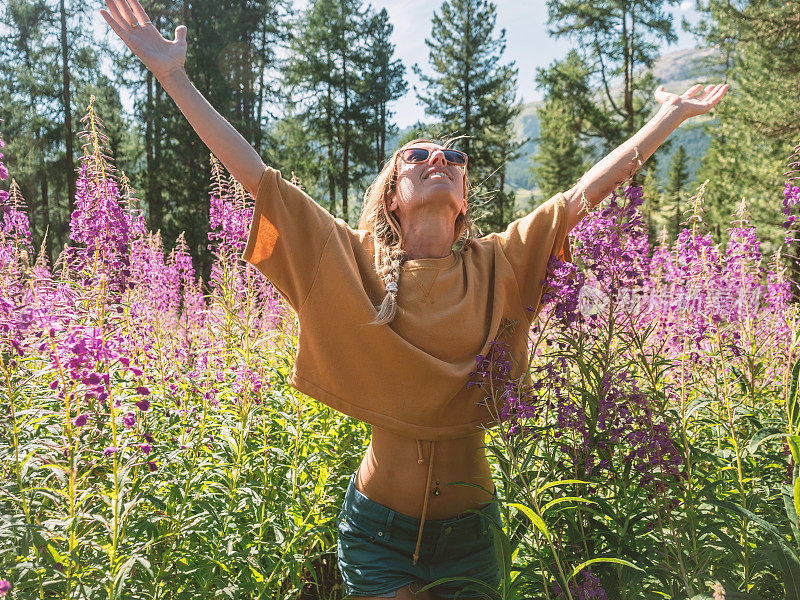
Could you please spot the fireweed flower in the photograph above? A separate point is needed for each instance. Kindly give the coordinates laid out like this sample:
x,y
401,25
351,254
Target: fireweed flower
x,y
5,586
84,353
588,589
109,451
129,420
80,420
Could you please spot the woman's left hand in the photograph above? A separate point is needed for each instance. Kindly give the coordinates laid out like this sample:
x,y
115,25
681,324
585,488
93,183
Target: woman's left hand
x,y
689,102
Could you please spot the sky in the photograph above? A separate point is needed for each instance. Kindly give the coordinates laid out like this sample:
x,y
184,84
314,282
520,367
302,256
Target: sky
x,y
528,43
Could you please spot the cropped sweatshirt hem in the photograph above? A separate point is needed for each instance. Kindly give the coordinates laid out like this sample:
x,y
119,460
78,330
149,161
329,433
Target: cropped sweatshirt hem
x,y
418,432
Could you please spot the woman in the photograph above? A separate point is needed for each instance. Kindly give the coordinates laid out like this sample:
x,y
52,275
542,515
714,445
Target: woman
x,y
392,318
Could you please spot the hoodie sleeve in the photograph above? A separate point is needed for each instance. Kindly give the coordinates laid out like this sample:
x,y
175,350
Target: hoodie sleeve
x,y
287,235
530,241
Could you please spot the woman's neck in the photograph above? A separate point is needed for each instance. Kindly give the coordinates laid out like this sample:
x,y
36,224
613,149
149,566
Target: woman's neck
x,y
431,237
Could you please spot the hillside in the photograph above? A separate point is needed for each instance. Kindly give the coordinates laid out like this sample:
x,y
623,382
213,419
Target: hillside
x,y
678,71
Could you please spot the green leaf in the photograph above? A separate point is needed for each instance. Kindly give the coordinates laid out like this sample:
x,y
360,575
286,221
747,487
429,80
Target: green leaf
x,y
618,561
794,446
566,499
794,409
697,404
797,496
489,591
788,493
535,518
763,435
561,482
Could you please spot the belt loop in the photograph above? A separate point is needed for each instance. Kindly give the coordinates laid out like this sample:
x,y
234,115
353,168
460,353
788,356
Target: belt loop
x,y
387,528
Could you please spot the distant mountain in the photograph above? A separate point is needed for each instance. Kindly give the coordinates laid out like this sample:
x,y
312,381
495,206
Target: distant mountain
x,y
677,70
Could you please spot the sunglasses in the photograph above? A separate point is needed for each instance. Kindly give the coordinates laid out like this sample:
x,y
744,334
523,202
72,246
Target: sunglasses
x,y
420,155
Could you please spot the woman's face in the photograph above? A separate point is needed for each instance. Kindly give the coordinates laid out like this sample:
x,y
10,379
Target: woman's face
x,y
434,181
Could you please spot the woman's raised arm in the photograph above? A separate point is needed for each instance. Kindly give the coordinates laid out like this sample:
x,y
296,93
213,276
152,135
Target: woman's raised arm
x,y
599,181
166,60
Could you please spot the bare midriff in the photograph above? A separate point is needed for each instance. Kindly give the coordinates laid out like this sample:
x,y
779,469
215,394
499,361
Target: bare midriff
x,y
391,475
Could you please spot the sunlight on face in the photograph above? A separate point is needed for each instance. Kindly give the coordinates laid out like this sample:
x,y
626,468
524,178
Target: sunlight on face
x,y
431,185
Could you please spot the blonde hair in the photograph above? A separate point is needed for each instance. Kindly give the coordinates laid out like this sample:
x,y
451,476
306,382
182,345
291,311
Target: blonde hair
x,y
386,233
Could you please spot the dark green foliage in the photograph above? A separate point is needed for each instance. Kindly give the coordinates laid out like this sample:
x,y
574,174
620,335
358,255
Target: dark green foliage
x,y
618,42
342,76
757,124
385,82
32,95
230,46
559,162
674,199
472,94
560,158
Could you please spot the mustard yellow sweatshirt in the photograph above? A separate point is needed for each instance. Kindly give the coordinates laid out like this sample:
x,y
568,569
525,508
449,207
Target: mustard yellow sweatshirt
x,y
411,375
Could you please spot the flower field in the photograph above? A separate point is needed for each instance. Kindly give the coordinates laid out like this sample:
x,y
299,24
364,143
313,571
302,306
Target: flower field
x,y
151,447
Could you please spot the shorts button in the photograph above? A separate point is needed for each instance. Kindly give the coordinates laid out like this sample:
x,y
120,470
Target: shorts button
x,y
380,533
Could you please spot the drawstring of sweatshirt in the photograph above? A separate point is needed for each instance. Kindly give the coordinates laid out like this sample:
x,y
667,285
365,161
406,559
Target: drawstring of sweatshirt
x,y
420,460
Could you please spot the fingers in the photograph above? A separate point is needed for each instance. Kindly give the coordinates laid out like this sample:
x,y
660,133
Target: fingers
x,y
709,89
692,91
116,25
121,21
717,95
122,7
141,16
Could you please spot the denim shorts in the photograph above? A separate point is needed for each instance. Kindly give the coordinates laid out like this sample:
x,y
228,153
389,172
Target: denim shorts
x,y
376,546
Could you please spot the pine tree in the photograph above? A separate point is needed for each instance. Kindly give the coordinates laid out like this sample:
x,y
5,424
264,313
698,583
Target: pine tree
x,y
327,76
558,162
652,204
617,41
49,65
756,126
560,158
472,94
677,178
385,82
230,63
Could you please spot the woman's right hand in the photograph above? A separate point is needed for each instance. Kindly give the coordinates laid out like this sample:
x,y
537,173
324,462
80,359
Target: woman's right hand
x,y
161,56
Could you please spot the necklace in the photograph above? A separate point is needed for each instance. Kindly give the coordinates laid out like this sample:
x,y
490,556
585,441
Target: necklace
x,y
426,293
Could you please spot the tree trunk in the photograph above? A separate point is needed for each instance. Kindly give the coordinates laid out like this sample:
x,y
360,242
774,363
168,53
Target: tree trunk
x,y
155,205
67,113
502,193
627,49
467,91
382,134
346,118
258,137
43,184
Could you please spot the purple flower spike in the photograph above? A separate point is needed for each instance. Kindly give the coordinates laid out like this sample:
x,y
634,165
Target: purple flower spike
x,y
129,420
143,405
146,448
80,420
109,451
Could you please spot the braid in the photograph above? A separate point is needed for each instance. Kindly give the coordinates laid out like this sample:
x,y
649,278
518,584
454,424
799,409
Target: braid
x,y
389,272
